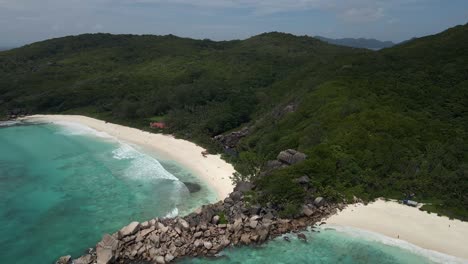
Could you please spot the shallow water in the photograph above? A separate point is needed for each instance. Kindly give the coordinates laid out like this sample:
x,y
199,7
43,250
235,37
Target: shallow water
x,y
63,186
328,246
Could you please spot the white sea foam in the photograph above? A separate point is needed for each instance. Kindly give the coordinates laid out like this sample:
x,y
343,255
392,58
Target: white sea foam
x,y
142,166
72,128
372,236
173,213
9,123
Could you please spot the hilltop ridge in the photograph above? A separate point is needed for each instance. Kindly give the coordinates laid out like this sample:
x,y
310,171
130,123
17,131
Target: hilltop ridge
x,y
389,123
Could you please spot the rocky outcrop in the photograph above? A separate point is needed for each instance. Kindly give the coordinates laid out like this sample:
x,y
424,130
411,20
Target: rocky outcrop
x,y
200,233
291,157
106,250
284,159
16,112
319,201
86,259
63,260
131,229
304,180
243,186
229,141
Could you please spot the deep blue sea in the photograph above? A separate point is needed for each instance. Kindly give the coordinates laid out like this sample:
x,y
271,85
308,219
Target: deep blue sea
x,y
62,186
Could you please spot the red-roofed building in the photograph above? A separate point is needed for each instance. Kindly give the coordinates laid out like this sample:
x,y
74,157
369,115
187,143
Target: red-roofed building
x,y
159,125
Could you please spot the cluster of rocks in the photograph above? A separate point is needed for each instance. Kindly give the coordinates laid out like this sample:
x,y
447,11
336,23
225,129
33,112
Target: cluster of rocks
x,y
205,232
229,141
281,111
284,159
211,228
15,113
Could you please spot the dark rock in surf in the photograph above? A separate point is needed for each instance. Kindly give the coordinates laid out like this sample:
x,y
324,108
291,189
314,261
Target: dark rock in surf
x,y
302,237
192,187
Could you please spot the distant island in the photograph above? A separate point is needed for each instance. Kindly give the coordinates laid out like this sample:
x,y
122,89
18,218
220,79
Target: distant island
x,y
365,43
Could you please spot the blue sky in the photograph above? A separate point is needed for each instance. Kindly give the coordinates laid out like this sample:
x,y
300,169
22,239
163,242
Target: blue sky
x,y
26,21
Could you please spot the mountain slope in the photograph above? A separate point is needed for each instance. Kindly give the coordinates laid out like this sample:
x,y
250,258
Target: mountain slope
x,y
387,123
132,77
364,43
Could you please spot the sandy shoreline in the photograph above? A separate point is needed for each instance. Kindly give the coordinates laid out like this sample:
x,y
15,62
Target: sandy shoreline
x,y
390,219
398,221
212,170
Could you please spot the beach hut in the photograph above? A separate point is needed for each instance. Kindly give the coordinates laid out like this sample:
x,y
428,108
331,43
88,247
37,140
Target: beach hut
x,y
159,125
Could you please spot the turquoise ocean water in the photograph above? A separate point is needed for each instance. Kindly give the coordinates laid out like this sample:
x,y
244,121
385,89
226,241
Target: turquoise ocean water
x,y
330,245
63,186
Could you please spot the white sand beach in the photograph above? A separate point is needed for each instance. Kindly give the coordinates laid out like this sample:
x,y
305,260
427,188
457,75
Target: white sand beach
x,y
388,218
211,169
399,221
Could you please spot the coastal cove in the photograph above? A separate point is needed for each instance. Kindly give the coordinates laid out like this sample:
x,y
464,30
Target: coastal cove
x,y
247,132
68,183
212,169
214,172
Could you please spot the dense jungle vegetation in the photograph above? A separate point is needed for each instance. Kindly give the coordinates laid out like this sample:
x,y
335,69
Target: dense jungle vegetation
x,y
373,123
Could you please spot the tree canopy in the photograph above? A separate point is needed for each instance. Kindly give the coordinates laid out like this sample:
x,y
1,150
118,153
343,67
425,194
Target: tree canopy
x,y
373,123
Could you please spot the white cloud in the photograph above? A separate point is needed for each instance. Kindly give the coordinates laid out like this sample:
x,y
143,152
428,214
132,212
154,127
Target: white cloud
x,y
23,21
28,18
365,14
349,10
259,6
98,27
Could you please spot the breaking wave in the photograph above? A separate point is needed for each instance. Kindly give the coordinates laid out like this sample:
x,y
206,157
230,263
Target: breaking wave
x,y
9,123
142,166
75,129
372,236
173,213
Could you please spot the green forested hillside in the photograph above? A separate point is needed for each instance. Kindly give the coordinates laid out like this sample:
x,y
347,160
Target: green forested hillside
x,y
373,124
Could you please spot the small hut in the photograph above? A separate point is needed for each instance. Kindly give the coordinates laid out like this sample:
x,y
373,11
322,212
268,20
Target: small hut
x,y
159,125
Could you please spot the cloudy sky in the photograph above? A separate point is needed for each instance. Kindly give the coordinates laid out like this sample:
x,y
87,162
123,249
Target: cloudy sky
x,y
26,21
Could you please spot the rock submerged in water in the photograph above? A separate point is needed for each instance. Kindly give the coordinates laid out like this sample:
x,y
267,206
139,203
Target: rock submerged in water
x,y
192,187
302,237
